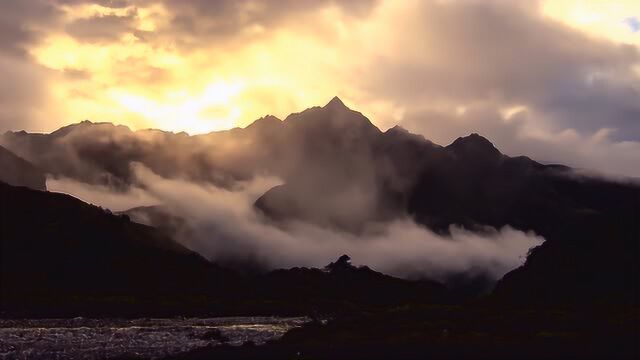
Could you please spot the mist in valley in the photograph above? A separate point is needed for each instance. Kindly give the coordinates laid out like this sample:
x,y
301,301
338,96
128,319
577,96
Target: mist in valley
x,y
223,225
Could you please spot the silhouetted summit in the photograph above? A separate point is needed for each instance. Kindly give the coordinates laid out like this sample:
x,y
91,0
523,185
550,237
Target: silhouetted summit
x,y
265,122
475,146
398,136
334,119
336,104
343,262
397,129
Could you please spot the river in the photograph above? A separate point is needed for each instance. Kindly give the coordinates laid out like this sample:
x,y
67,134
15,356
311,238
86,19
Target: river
x,y
82,338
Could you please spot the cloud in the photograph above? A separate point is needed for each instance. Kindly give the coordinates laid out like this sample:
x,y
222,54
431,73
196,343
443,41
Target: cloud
x,y
101,28
223,226
633,23
23,22
25,100
519,133
396,61
103,196
200,20
445,69
469,52
105,3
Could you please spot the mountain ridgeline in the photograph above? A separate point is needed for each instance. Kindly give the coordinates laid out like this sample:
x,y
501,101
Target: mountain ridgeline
x,y
341,171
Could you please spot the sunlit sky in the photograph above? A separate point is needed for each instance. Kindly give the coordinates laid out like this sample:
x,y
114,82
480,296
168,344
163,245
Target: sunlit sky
x,y
551,74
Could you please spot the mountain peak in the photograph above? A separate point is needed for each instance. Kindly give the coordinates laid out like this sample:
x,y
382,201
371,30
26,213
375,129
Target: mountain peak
x,y
335,103
343,263
334,116
398,133
264,121
85,124
473,139
397,129
474,144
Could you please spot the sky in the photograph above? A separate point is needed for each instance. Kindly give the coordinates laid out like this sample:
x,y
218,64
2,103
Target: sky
x,y
555,80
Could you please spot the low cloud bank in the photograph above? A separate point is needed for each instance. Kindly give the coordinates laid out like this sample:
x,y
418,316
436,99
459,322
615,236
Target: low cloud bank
x,y
103,196
223,225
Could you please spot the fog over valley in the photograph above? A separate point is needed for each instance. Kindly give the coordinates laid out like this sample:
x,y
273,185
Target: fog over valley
x,y
223,225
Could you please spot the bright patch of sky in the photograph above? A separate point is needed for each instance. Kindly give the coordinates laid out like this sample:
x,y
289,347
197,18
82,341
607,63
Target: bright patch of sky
x,y
633,23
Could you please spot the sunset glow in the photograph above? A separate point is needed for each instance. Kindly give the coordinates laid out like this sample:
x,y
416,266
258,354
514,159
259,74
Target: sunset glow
x,y
142,77
437,68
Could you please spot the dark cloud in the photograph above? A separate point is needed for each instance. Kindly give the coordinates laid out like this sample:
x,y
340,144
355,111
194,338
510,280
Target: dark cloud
x,y
492,51
102,28
454,67
22,23
114,4
198,21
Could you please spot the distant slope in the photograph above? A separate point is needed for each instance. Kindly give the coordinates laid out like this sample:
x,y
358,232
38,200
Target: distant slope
x,y
18,172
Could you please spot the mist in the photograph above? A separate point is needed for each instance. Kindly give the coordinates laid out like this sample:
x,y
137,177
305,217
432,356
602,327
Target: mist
x,y
223,225
101,195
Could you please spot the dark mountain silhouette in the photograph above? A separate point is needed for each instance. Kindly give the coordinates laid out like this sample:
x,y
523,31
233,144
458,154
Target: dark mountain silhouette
x,y
18,172
60,255
63,257
592,257
339,170
158,217
345,287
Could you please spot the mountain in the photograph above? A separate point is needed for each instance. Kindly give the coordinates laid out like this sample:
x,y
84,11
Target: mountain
x,y
592,257
346,288
62,257
158,217
339,170
18,172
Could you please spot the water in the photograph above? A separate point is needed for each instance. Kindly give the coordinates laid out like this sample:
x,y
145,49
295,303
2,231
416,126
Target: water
x,y
145,338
